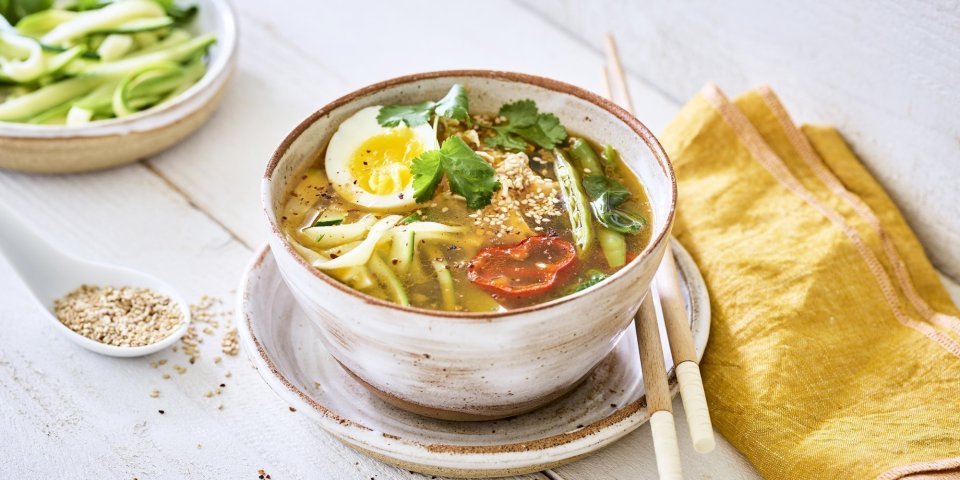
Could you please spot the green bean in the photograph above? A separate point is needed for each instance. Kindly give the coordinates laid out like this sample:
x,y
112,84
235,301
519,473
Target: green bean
x,y
586,158
578,207
610,155
613,245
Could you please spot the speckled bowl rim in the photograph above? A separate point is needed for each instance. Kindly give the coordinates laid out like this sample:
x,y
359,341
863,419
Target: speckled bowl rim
x,y
220,65
629,120
623,421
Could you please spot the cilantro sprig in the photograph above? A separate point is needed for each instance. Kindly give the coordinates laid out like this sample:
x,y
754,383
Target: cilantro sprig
x,y
526,125
453,105
469,175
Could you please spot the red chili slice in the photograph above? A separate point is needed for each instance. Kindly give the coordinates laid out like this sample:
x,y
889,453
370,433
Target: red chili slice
x,y
527,268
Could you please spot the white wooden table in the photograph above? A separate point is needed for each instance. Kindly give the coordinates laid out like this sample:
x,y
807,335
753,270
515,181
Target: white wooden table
x,y
192,216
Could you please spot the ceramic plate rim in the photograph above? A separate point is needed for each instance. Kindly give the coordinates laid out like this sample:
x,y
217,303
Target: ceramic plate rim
x,y
559,448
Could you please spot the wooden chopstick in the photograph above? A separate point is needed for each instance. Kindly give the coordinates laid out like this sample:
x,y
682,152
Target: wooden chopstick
x,y
617,75
684,355
659,401
667,281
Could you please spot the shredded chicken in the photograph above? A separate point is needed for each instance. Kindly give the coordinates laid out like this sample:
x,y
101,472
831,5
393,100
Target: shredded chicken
x,y
526,204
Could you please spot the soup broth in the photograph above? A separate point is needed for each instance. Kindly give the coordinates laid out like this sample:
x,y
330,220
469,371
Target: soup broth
x,y
528,225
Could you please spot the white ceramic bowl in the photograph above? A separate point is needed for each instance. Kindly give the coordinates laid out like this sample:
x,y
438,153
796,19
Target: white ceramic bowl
x,y
109,143
474,366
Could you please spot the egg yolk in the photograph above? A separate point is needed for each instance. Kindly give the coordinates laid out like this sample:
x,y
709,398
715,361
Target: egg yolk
x,y
381,165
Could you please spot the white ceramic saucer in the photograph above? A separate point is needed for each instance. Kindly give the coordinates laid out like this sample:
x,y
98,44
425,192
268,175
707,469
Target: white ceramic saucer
x,y
285,347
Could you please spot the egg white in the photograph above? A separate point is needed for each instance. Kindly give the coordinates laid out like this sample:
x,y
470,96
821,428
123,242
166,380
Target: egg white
x,y
349,136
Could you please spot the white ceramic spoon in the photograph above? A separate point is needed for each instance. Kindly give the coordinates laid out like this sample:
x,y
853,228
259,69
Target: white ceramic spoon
x,y
50,273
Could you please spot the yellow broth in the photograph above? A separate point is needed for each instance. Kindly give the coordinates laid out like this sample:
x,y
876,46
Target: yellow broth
x,y
312,195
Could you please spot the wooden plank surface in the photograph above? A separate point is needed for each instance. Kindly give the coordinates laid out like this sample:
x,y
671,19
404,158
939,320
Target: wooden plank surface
x,y
884,73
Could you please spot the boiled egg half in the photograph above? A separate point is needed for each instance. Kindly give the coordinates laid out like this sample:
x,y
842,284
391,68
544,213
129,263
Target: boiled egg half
x,y
369,165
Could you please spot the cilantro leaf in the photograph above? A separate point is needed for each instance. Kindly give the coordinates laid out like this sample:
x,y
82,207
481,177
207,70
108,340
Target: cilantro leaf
x,y
455,104
522,113
509,142
552,130
412,115
470,176
525,124
427,172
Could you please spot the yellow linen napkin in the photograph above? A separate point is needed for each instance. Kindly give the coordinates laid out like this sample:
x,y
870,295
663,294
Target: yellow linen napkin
x,y
834,351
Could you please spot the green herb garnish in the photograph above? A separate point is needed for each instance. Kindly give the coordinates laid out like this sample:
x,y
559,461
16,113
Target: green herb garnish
x,y
593,277
525,124
328,223
606,195
413,217
469,175
454,105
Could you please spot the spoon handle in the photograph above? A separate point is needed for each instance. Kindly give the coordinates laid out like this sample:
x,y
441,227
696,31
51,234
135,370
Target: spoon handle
x,y
27,251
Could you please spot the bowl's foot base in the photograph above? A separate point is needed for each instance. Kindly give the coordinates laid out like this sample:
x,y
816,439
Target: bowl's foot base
x,y
491,413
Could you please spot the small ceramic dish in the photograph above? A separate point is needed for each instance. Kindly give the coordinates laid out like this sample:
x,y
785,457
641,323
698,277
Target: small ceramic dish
x,y
469,365
288,350
109,143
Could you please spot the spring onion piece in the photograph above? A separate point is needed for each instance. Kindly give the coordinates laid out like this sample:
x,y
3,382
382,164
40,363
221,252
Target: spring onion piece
x,y
578,208
109,59
386,276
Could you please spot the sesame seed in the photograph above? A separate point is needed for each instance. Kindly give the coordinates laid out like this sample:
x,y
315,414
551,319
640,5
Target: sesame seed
x,y
123,317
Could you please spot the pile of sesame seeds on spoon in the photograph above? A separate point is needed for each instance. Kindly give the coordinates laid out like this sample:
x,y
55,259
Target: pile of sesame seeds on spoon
x,y
107,309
